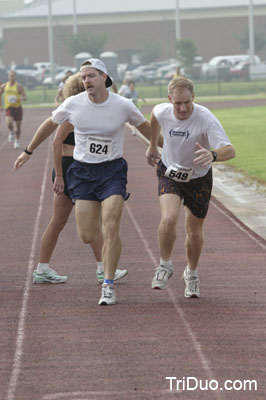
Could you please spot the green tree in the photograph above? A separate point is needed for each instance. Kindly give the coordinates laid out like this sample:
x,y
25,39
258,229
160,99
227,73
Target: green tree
x,y
85,42
186,52
259,39
151,51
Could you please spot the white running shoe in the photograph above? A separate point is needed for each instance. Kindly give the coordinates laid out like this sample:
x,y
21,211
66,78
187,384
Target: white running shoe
x,y
191,285
108,296
16,144
49,276
11,136
119,273
162,274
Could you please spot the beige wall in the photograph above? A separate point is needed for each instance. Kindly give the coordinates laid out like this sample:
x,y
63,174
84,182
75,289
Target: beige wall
x,y
212,36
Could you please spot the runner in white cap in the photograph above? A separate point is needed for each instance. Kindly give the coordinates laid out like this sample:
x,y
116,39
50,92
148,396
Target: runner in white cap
x,y
97,178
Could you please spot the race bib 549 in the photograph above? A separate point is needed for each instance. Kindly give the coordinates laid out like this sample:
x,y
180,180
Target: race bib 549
x,y
179,173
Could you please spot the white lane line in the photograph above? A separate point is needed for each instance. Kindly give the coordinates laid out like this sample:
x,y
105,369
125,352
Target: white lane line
x,y
204,361
107,394
235,222
23,312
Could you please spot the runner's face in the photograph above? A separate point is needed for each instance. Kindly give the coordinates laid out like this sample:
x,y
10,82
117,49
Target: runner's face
x,y
92,80
12,77
182,102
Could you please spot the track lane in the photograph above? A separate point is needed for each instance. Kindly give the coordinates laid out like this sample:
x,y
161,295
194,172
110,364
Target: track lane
x,y
74,349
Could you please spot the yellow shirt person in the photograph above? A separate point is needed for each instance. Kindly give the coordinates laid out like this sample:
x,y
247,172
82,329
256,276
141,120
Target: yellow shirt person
x,y
13,94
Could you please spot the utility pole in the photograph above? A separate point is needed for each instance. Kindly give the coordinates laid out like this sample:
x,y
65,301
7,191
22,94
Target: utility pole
x,y
177,21
251,32
51,39
75,26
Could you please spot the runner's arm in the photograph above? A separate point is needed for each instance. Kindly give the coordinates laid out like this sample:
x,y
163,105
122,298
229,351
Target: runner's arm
x,y
152,153
42,133
205,157
22,92
145,129
62,132
2,88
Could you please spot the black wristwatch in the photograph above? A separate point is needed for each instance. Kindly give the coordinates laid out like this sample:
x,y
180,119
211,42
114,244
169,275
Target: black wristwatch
x,y
27,151
214,155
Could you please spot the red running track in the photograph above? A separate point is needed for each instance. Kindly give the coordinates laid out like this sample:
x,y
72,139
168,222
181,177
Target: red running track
x,y
57,343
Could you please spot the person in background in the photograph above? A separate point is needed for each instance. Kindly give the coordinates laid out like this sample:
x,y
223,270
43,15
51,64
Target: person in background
x,y
177,73
124,87
60,96
14,93
193,140
62,205
132,94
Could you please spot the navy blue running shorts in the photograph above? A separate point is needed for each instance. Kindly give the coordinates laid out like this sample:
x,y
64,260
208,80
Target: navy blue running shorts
x,y
97,182
66,162
195,194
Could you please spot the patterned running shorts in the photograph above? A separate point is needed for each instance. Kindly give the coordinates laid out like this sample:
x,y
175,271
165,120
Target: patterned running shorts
x,y
195,194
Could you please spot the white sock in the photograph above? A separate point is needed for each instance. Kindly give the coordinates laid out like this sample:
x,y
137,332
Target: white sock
x,y
192,273
100,267
42,267
166,263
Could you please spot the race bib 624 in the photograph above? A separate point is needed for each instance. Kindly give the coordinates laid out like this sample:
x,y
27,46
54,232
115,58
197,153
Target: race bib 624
x,y
98,146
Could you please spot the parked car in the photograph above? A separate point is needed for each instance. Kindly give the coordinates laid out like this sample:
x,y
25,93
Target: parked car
x,y
168,70
257,71
143,73
28,81
28,71
45,68
219,67
240,70
59,76
243,69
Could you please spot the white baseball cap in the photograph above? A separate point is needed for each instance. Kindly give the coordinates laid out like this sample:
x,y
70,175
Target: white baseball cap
x,y
98,64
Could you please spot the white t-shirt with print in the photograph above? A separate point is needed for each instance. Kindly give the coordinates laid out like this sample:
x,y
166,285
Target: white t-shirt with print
x,y
98,128
181,136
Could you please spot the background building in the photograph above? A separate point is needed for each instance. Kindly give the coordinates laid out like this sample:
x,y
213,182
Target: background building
x,y
211,24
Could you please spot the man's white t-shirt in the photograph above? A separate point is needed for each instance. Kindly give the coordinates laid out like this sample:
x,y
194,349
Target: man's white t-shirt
x,y
181,136
98,128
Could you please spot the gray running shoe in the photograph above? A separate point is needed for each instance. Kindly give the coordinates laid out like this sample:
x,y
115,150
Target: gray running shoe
x,y
191,285
162,274
108,296
119,273
11,136
49,276
16,144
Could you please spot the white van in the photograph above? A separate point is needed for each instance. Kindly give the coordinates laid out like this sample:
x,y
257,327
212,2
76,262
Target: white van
x,y
210,70
257,71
